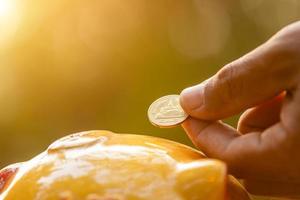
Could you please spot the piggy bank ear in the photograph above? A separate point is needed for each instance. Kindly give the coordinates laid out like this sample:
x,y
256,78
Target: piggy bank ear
x,y
202,180
7,174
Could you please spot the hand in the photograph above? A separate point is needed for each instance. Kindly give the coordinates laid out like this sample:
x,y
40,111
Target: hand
x,y
264,150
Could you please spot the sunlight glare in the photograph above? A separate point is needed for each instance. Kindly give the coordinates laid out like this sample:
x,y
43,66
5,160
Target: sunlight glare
x,y
6,8
9,18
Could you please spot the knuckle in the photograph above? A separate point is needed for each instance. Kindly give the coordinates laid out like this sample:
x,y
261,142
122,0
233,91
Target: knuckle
x,y
284,50
286,62
220,93
228,84
212,100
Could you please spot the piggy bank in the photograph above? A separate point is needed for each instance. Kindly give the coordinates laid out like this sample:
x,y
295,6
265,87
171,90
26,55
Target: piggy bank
x,y
101,165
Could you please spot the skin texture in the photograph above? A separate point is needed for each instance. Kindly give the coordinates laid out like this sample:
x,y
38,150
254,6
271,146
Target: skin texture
x,y
264,84
101,165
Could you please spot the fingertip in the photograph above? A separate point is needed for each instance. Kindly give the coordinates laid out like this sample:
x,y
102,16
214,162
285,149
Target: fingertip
x,y
193,127
196,102
193,124
191,99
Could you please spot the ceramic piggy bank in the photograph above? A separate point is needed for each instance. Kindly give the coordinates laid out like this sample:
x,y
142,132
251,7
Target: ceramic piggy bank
x,y
101,165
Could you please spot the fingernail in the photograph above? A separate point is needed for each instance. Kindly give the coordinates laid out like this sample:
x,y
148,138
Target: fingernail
x,y
192,98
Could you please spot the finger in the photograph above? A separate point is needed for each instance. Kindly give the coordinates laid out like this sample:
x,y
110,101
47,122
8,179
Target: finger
x,y
210,137
261,117
244,83
290,114
246,155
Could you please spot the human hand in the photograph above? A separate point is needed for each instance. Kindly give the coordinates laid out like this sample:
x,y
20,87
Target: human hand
x,y
264,150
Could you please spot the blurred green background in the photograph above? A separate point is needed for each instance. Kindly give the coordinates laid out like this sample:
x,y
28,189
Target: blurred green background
x,y
74,65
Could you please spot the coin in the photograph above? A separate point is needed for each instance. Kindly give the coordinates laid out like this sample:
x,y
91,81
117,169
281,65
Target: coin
x,y
166,112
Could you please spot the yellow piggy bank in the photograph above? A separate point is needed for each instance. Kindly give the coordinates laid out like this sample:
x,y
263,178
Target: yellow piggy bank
x,y
101,165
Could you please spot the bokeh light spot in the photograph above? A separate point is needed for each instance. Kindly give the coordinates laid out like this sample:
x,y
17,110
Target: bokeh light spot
x,y
198,29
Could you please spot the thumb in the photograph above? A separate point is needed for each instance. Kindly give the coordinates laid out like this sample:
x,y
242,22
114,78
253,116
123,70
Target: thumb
x,y
248,81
